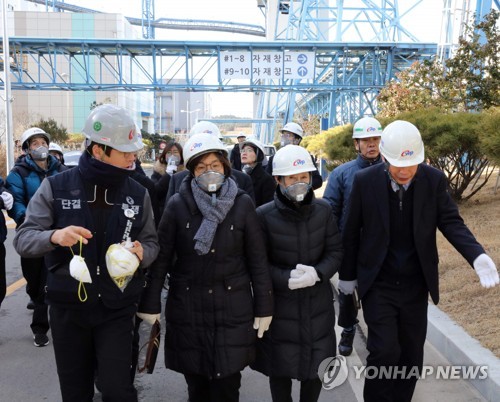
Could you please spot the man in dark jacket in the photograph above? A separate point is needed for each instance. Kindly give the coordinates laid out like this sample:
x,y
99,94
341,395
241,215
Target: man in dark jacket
x,y
304,250
391,255
366,136
235,157
95,227
23,181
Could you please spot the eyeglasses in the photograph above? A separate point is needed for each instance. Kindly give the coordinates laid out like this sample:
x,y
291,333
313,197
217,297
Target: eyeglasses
x,y
247,150
202,167
290,136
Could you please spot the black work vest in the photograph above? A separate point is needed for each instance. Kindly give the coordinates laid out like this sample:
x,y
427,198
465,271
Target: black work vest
x,y
70,206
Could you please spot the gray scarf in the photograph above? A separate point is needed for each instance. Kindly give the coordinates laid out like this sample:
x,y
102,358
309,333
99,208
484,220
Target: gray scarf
x,y
212,214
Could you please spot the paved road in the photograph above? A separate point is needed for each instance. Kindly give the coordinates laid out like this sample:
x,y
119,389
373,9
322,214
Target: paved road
x,y
28,374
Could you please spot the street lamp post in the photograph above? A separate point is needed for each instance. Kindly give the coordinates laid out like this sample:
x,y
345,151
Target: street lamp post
x,y
188,115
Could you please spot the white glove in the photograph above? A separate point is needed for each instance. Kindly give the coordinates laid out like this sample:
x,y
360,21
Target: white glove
x,y
8,200
347,287
149,318
302,276
171,169
262,324
486,270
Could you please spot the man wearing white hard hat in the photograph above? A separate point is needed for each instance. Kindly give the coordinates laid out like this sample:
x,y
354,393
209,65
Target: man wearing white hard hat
x,y
242,180
391,255
304,250
366,136
23,181
292,134
95,227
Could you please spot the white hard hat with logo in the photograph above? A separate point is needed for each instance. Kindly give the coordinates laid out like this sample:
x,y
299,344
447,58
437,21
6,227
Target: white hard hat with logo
x,y
199,144
113,126
30,133
401,144
367,127
205,127
293,128
55,147
292,159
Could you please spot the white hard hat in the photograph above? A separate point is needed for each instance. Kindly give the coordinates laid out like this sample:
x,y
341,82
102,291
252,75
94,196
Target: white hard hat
x,y
255,143
401,144
367,127
199,144
113,126
55,147
205,127
293,128
32,132
292,159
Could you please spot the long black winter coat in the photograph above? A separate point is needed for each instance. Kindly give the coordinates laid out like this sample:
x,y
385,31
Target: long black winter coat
x,y
302,332
264,185
213,298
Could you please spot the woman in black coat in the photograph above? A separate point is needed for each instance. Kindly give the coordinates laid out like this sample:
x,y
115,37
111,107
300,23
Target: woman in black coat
x,y
252,155
212,247
304,251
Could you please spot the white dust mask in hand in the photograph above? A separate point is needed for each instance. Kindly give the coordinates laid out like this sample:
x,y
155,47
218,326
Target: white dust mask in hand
x,y
121,264
78,269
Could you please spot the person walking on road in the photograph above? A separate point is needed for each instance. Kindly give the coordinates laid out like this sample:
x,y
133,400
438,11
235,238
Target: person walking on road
x,y
235,157
6,201
304,250
23,181
252,155
366,135
389,238
292,134
220,290
95,227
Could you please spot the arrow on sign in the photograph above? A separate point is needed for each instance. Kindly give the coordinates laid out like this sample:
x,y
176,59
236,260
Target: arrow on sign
x,y
302,58
302,71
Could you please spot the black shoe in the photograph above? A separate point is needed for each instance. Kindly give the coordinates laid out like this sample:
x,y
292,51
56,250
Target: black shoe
x,y
30,305
40,340
346,339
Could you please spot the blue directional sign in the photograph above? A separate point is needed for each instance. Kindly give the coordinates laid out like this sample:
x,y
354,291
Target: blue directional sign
x,y
302,58
302,71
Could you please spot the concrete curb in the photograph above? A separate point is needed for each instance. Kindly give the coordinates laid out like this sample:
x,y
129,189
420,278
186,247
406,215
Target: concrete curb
x,y
456,346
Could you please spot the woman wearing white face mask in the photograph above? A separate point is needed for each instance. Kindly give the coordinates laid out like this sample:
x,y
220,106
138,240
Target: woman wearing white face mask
x,y
23,181
220,289
304,251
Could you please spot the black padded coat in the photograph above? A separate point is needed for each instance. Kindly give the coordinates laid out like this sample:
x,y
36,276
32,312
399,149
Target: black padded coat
x,y
302,332
213,298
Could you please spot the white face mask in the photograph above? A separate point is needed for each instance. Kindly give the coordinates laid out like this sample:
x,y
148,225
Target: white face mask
x,y
78,269
210,181
296,192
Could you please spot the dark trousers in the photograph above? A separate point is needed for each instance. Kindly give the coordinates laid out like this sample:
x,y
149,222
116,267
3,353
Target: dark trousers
x,y
85,339
204,389
396,315
348,311
35,273
3,279
281,389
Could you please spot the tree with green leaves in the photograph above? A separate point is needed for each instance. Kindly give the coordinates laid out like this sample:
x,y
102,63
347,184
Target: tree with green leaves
x,y
57,132
468,81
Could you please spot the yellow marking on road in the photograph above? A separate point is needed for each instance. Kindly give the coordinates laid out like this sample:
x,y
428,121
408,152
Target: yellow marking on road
x,y
16,285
